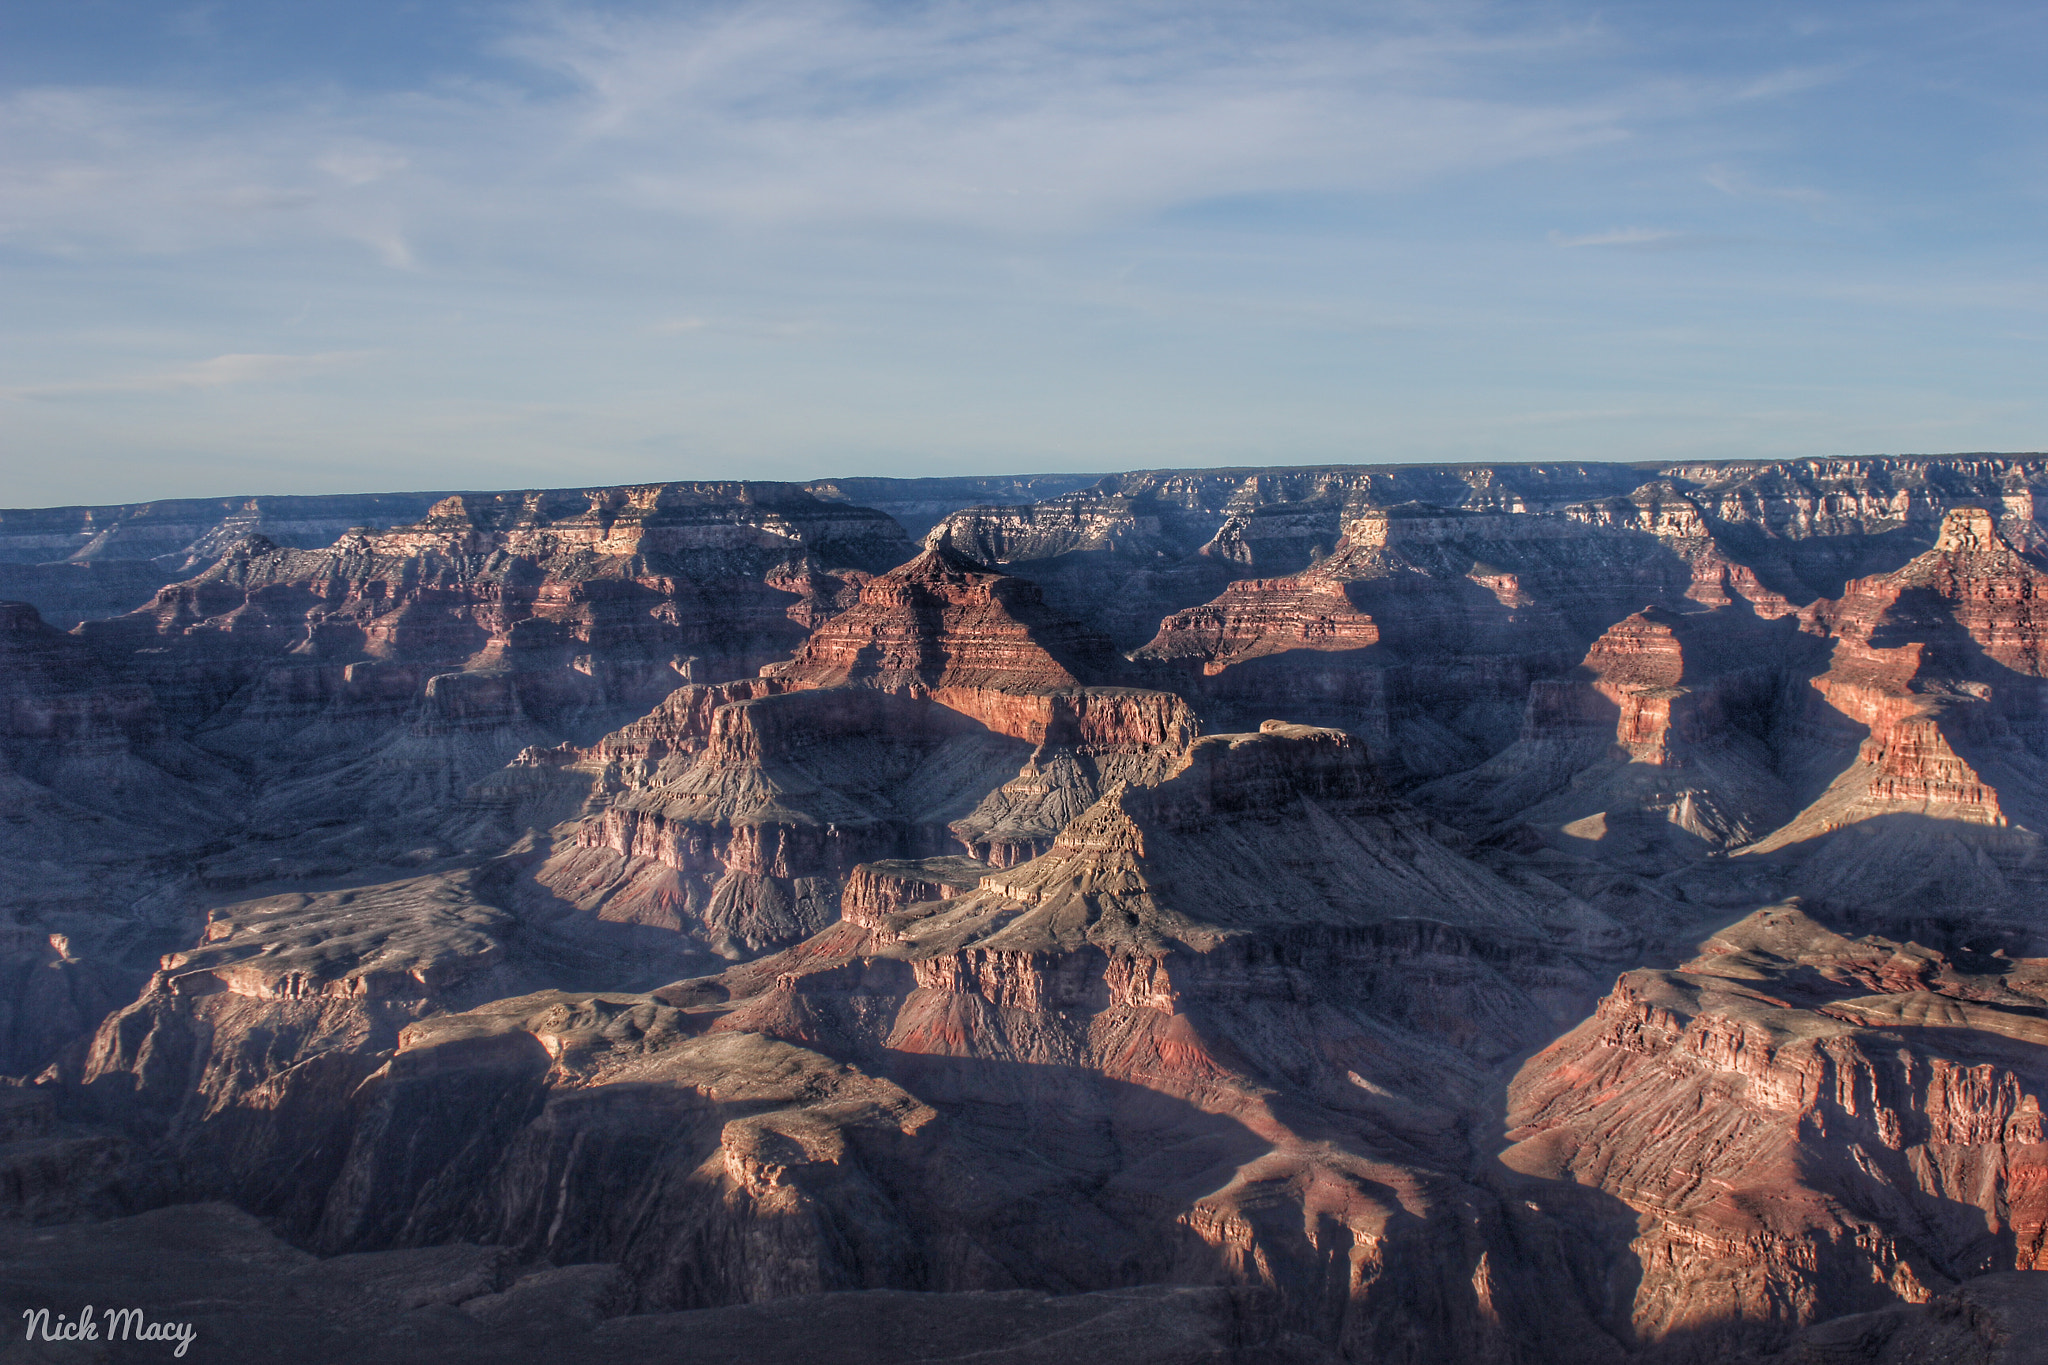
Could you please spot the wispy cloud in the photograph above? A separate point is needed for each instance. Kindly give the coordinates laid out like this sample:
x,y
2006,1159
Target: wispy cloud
x,y
1740,185
1627,236
1051,117
1057,116
787,329
221,371
1796,80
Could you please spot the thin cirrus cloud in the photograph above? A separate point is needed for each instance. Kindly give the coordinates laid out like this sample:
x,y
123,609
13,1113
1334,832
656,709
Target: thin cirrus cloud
x,y
1739,185
218,372
93,173
1627,236
993,118
1047,118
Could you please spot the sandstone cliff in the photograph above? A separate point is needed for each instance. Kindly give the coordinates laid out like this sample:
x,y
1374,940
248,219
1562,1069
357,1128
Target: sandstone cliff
x,y
1657,748
1808,1124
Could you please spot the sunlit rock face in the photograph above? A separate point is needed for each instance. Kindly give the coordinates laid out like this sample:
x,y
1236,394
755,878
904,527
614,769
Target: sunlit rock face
x,y
1806,1123
1530,914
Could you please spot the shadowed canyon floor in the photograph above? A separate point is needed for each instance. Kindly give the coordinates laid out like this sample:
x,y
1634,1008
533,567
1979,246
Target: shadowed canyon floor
x,y
1507,914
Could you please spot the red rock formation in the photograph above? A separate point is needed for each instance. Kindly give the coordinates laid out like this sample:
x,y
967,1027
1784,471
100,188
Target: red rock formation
x,y
1798,1146
1935,671
1658,742
942,627
1261,616
379,680
621,579
874,891
740,811
1213,1010
1149,1055
1466,608
944,709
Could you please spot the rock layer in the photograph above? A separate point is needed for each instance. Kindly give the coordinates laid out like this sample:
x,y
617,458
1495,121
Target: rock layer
x,y
1808,1124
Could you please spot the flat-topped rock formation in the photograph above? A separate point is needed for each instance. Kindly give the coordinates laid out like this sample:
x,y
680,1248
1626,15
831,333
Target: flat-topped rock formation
x,y
1256,617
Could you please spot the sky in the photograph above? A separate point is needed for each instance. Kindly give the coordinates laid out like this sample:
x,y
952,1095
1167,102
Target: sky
x,y
293,246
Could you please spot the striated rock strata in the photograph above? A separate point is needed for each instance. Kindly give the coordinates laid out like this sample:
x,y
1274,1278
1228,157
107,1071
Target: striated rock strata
x,y
1808,1124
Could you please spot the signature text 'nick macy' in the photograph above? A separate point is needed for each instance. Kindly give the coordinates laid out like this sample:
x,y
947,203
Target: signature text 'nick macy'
x,y
121,1324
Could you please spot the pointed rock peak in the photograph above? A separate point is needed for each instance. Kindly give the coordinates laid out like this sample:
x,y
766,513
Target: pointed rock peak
x,y
1643,650
1969,530
1105,827
943,622
251,547
940,560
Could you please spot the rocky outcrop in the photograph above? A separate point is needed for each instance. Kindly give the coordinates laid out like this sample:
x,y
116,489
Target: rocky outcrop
x,y
1930,715
944,712
619,586
743,832
242,1053
1999,1319
874,891
1256,617
919,504
749,843
1808,1124
84,563
1428,626
92,741
1209,822
941,626
1150,1054
372,683
1137,547
103,807
187,533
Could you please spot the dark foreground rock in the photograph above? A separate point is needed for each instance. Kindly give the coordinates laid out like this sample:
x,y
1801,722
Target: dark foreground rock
x,y
248,1296
1993,1320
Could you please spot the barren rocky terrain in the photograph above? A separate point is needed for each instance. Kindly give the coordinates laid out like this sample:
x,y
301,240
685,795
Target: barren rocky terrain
x,y
1520,914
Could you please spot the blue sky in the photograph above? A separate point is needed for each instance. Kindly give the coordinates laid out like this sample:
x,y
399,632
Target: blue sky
x,y
278,246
